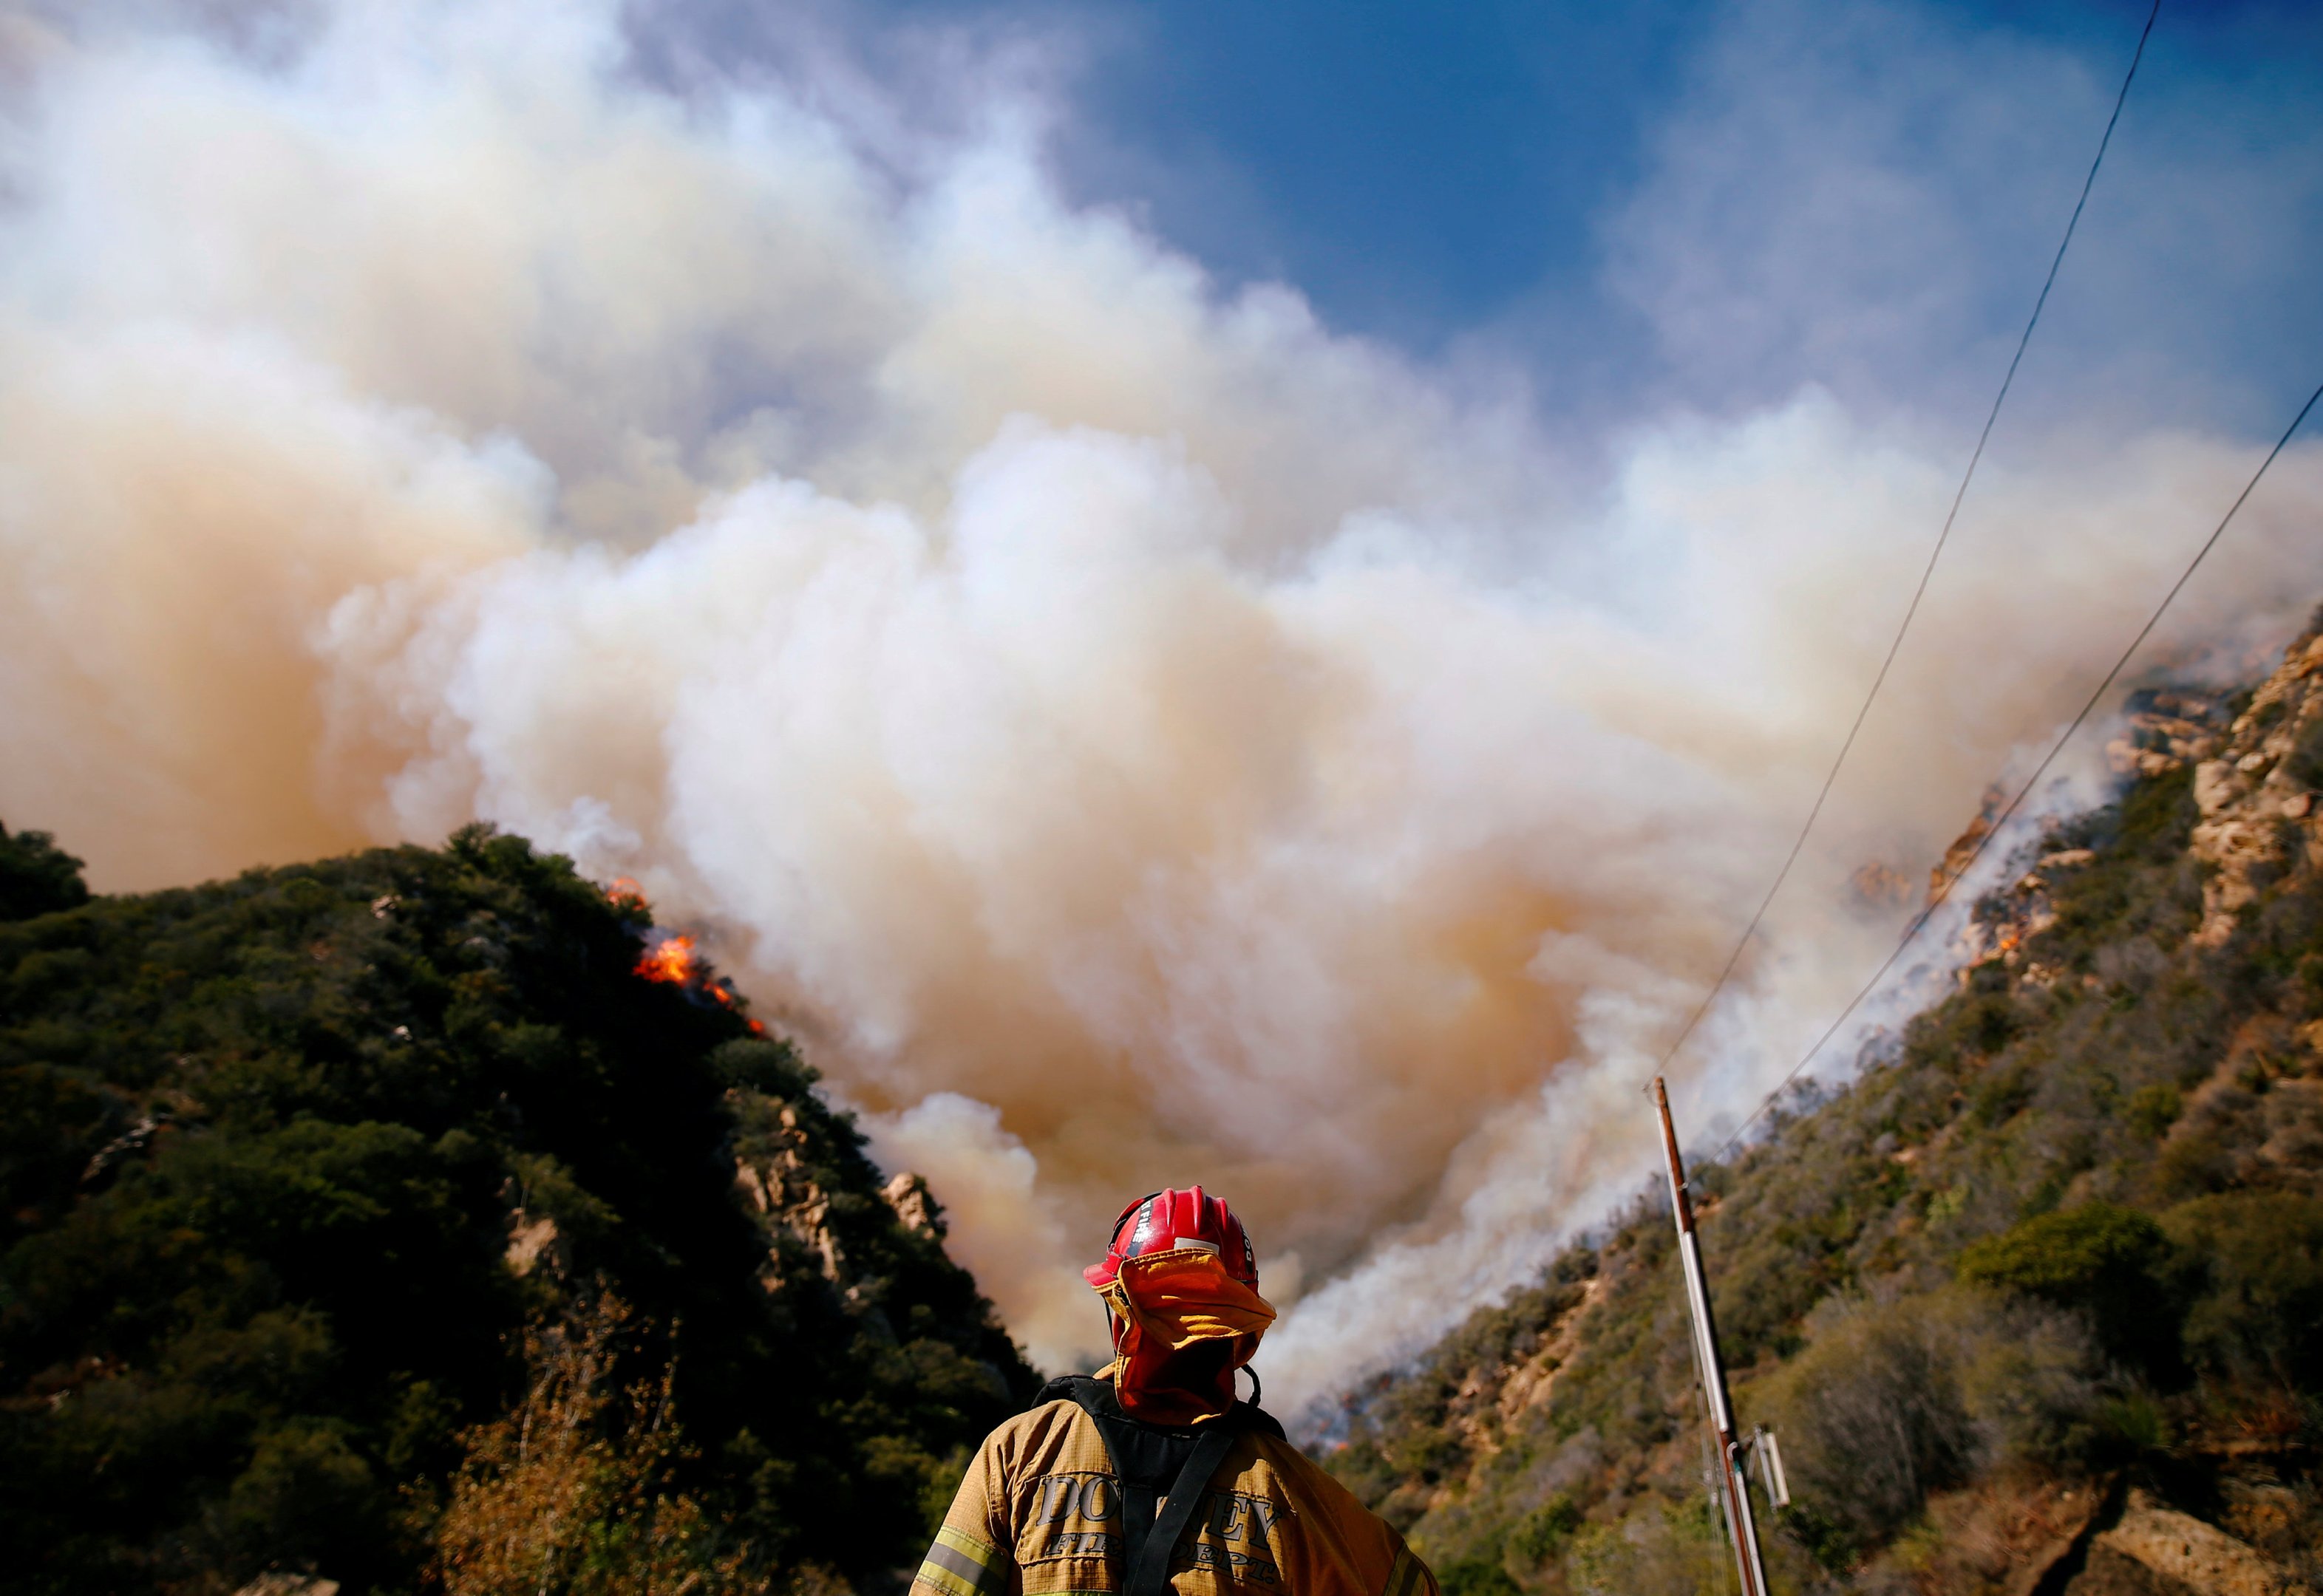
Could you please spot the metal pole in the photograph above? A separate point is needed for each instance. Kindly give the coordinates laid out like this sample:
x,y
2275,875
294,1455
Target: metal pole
x,y
1740,1523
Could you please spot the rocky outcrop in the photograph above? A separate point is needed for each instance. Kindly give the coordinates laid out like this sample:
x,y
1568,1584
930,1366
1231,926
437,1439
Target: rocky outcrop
x,y
915,1205
1962,852
780,1183
842,1238
777,1178
2005,923
2014,1537
2156,1552
532,1239
2257,794
2254,779
276,1583
1527,1384
2167,727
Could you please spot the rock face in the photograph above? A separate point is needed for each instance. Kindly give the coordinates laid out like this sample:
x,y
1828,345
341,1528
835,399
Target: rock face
x,y
915,1206
2255,776
274,1583
838,1236
2154,1550
2258,791
2167,727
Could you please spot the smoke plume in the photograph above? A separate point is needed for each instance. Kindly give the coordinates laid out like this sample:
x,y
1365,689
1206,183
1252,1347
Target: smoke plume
x,y
1135,735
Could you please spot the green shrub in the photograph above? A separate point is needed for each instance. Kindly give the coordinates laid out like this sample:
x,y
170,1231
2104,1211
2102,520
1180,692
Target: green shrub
x,y
2030,1376
2002,1096
1818,1535
2193,1162
2157,816
1665,1547
2154,1109
1892,1401
2304,763
1872,1420
2257,1261
2100,1259
305,1495
1474,1577
1541,1532
2136,1424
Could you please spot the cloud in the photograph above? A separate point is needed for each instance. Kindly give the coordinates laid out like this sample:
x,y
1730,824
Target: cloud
x,y
1136,736
1868,198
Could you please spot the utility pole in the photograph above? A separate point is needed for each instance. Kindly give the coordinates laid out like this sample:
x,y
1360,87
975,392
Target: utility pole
x,y
1735,1482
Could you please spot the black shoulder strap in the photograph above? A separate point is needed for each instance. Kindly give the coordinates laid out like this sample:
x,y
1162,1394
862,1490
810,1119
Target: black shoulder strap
x,y
1070,1388
1150,1577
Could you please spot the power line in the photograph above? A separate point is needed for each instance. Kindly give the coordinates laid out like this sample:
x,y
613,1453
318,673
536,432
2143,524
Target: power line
x,y
1936,899
1943,536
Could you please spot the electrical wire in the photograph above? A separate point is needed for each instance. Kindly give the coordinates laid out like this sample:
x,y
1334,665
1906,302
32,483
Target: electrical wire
x,y
1896,646
1936,898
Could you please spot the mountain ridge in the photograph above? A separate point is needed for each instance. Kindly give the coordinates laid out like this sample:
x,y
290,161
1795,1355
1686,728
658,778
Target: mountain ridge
x,y
2044,1270
328,1185
321,1179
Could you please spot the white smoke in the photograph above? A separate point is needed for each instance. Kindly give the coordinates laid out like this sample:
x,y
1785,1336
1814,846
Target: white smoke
x,y
1137,736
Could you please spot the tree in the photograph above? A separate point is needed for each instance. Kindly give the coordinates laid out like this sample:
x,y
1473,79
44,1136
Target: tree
x,y
37,877
573,1491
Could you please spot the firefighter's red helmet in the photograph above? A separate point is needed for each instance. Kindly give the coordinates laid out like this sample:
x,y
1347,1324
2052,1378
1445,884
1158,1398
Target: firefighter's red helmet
x,y
1168,1219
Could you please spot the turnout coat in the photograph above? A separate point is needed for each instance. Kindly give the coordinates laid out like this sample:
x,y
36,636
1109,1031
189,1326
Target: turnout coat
x,y
1059,1501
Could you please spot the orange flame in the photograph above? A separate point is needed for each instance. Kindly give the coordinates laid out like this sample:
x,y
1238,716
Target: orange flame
x,y
623,893
670,960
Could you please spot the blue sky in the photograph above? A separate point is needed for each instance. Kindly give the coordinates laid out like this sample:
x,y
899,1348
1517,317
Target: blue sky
x,y
1424,173
1695,205
1416,169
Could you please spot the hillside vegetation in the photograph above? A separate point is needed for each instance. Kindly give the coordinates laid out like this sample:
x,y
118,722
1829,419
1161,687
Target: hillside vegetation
x,y
2039,1290
423,1220
377,1220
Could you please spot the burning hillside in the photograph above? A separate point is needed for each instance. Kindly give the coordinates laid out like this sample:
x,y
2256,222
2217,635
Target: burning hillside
x,y
670,959
334,1189
1145,733
2034,1303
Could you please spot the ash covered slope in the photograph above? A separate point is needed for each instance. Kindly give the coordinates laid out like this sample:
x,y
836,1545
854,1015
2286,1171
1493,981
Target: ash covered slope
x,y
2040,1289
289,1160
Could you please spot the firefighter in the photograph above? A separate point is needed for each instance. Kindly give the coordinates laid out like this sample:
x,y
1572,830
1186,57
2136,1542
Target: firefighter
x,y
1151,1476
